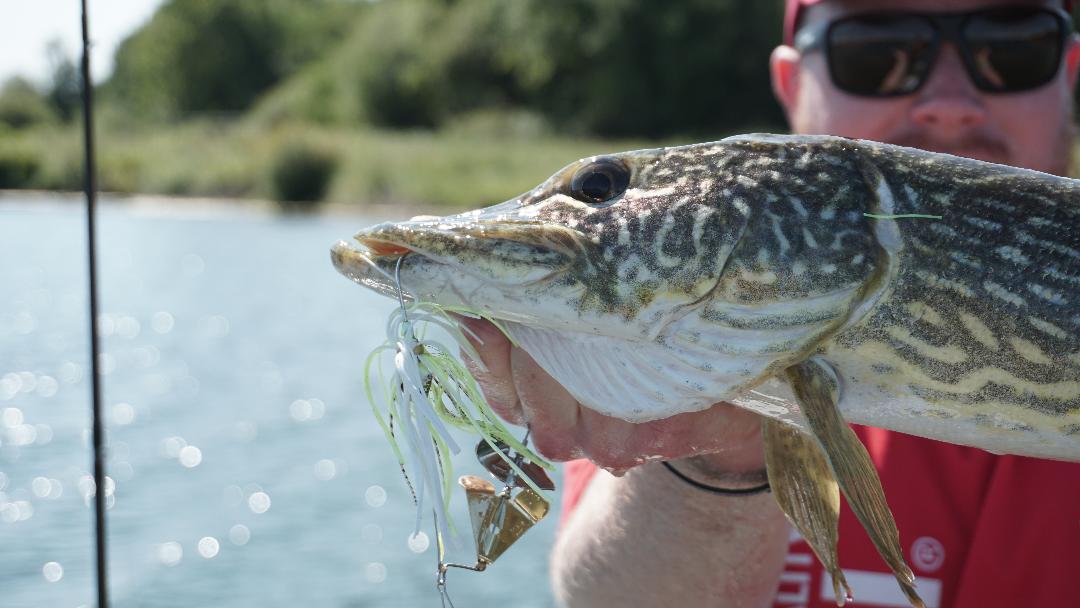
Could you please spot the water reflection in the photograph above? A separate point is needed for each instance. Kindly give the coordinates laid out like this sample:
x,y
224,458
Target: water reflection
x,y
47,386
237,433
162,322
208,547
325,470
44,487
234,496
123,414
259,503
52,571
239,535
375,496
418,542
16,511
371,533
170,553
71,373
375,572
190,456
128,327
122,470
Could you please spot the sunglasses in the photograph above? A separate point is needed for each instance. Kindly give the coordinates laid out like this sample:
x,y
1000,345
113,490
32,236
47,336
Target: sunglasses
x,y
1004,49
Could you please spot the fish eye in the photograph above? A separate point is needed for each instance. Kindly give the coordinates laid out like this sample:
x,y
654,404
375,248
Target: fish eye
x,y
600,181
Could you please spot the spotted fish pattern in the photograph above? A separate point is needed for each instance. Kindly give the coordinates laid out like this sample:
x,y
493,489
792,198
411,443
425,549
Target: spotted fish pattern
x,y
982,315
741,209
943,291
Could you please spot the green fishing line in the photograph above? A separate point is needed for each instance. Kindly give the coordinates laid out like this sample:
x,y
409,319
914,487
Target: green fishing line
x,y
901,216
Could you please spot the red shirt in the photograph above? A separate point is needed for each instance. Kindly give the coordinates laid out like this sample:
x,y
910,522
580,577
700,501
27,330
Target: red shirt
x,y
978,530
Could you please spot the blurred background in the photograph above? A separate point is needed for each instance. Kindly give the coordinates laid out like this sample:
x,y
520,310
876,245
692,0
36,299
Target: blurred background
x,y
237,140
433,102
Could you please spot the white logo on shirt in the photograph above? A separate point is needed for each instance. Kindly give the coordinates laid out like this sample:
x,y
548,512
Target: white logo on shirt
x,y
927,553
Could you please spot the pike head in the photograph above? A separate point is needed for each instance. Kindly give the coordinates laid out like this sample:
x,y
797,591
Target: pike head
x,y
635,279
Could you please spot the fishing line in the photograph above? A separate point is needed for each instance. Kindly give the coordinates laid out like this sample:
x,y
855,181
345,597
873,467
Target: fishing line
x,y
90,187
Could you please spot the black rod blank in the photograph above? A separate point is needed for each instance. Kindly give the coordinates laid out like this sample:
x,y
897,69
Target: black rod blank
x,y
90,187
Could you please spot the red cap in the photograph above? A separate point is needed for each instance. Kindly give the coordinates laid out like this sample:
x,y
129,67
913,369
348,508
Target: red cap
x,y
793,10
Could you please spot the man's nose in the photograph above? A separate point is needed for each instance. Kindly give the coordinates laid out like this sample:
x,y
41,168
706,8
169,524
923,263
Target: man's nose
x,y
948,102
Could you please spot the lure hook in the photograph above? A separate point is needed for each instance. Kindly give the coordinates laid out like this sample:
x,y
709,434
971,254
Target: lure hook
x,y
400,291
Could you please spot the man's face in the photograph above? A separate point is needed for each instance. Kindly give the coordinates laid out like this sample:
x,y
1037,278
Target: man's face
x,y
1032,129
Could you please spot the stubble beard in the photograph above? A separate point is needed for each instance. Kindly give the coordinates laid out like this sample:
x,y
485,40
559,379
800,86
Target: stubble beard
x,y
986,147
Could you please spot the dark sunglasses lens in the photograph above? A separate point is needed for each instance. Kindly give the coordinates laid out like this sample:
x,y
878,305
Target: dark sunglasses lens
x,y
1014,49
879,55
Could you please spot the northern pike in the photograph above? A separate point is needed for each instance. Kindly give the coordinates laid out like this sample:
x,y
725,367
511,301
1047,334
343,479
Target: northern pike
x,y
806,278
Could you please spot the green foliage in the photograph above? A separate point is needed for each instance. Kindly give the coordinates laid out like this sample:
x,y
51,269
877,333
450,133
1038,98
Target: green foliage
x,y
315,95
419,62
211,57
454,170
611,67
18,168
301,172
439,172
398,81
65,83
22,106
621,67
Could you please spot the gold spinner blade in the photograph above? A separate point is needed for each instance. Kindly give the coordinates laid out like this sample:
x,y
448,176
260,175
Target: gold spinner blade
x,y
499,519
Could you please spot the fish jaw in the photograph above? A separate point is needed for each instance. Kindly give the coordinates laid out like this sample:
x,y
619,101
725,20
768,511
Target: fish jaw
x,y
499,253
497,261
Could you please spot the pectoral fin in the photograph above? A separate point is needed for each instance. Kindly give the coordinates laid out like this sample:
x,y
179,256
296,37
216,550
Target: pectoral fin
x,y
815,389
803,484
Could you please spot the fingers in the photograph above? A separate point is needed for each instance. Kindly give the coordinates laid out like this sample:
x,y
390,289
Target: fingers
x,y
496,381
562,429
521,392
729,435
551,411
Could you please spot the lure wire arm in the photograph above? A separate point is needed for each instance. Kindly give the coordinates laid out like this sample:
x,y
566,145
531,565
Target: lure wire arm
x,y
484,541
400,291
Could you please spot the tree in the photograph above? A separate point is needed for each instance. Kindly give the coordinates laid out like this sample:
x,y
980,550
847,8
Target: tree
x,y
65,84
625,67
22,105
207,56
611,67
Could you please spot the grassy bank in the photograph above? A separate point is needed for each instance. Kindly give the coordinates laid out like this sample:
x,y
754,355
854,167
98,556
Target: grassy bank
x,y
455,169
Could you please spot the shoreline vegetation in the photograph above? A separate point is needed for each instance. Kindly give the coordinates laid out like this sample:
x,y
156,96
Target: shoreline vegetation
x,y
428,104
300,166
445,105
330,170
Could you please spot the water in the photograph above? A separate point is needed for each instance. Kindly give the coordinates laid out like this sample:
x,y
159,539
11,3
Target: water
x,y
246,467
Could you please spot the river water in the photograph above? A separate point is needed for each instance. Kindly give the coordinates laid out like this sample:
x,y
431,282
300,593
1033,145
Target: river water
x,y
246,468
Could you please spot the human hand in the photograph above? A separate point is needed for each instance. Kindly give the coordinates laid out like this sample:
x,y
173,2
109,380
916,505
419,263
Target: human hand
x,y
723,439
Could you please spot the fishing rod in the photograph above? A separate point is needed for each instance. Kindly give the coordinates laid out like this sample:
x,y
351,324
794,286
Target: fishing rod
x,y
90,187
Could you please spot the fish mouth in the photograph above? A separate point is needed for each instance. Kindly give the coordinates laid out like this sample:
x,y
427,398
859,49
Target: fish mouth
x,y
509,254
367,265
